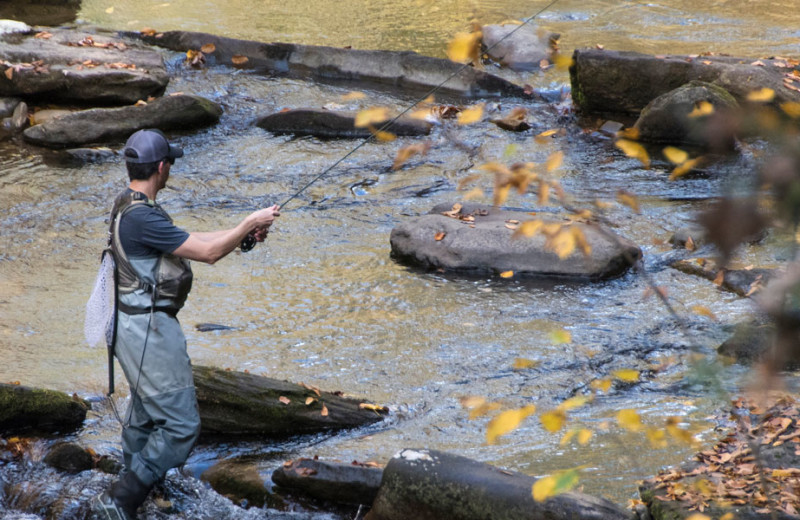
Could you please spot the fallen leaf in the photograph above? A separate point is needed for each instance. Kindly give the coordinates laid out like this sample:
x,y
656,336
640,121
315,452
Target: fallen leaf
x,y
522,363
628,199
762,95
634,150
465,47
470,115
560,337
109,10
507,274
284,400
703,108
439,236
310,400
353,96
675,155
630,420
626,374
703,311
371,116
324,411
238,59
506,422
208,48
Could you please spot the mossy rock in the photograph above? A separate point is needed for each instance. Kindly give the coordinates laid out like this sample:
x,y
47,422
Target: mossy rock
x,y
24,409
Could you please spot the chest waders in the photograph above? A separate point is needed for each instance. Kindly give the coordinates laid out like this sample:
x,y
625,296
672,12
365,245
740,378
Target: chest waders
x,y
168,287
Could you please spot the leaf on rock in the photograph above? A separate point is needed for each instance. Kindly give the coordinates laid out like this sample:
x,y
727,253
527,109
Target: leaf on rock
x,y
506,422
382,135
310,400
703,108
528,229
284,400
791,108
601,384
685,167
208,48
439,236
324,411
238,59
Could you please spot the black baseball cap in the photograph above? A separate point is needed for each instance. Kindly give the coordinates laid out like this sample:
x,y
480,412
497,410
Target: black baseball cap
x,y
150,145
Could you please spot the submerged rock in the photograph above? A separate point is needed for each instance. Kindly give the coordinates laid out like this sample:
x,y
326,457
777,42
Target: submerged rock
x,y
618,81
240,482
331,481
677,117
430,484
64,65
478,239
327,123
69,457
524,50
31,409
403,71
97,125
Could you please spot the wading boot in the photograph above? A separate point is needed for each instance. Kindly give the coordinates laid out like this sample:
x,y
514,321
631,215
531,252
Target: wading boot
x,y
122,499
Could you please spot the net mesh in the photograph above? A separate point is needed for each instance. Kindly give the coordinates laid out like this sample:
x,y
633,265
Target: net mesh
x,y
98,323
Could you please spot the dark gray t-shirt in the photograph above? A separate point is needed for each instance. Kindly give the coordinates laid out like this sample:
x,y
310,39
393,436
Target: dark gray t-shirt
x,y
146,231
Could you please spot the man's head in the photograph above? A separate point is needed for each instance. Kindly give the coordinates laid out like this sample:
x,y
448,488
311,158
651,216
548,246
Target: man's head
x,y
145,151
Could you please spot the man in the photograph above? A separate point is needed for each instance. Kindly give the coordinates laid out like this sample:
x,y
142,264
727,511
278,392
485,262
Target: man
x,y
153,281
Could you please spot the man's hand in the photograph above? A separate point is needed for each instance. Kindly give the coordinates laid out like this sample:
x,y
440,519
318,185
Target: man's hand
x,y
264,219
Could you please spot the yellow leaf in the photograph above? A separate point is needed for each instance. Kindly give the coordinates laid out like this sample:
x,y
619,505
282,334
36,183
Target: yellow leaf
x,y
554,161
631,133
703,108
382,135
563,61
626,374
472,401
727,516
560,336
507,422
208,48
601,384
470,115
501,194
573,402
547,133
703,311
584,436
657,437
675,155
630,420
406,152
543,488
528,229
109,10
483,410
284,400
371,116
698,516
555,484
567,437
580,240
353,96
371,407
563,244
507,274
678,433
544,192
634,150
465,47
553,420
783,473
522,363
762,95
628,199
324,411
310,400
791,108
685,168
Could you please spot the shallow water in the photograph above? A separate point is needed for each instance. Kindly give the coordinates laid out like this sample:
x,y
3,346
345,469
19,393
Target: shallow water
x,y
323,302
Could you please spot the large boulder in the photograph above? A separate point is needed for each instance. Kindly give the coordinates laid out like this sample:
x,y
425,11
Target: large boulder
x,y
524,50
625,82
63,65
31,409
98,125
478,239
676,117
327,123
431,485
399,70
41,12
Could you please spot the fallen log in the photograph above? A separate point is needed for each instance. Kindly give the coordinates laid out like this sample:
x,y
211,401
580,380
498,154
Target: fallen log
x,y
24,409
242,404
332,124
431,485
355,483
744,282
625,82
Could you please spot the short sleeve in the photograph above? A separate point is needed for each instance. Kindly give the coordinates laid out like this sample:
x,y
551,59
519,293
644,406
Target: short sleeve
x,y
145,231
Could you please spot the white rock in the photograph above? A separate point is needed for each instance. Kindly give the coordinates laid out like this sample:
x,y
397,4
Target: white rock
x,y
13,26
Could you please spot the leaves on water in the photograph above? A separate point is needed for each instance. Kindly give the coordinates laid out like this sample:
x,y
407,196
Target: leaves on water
x,y
628,199
554,161
382,135
603,385
195,58
628,375
554,484
371,116
471,115
703,311
506,422
560,337
353,96
630,420
478,406
553,420
791,108
523,363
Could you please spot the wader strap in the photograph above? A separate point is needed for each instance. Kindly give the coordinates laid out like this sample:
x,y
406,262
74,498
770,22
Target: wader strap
x,y
127,309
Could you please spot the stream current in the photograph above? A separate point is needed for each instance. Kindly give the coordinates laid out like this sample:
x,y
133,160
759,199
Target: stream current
x,y
322,301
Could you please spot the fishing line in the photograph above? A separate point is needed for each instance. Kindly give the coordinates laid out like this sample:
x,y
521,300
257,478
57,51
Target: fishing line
x,y
417,102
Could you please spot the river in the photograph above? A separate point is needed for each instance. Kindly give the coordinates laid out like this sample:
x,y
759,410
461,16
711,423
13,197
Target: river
x,y
322,302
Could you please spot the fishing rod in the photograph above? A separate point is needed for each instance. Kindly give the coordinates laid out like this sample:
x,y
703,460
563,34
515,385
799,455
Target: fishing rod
x,y
249,242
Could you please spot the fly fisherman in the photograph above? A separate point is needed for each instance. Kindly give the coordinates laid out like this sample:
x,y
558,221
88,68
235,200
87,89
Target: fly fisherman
x,y
153,281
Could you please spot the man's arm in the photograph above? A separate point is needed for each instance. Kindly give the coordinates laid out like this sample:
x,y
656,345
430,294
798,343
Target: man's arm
x,y
211,246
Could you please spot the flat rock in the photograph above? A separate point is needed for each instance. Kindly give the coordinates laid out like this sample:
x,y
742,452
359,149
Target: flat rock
x,y
402,71
625,82
524,50
485,245
64,65
331,124
99,125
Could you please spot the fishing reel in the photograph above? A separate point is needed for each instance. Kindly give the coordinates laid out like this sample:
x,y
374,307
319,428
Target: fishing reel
x,y
248,243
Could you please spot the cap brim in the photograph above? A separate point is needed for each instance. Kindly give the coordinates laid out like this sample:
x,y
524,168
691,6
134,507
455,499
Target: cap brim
x,y
175,152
